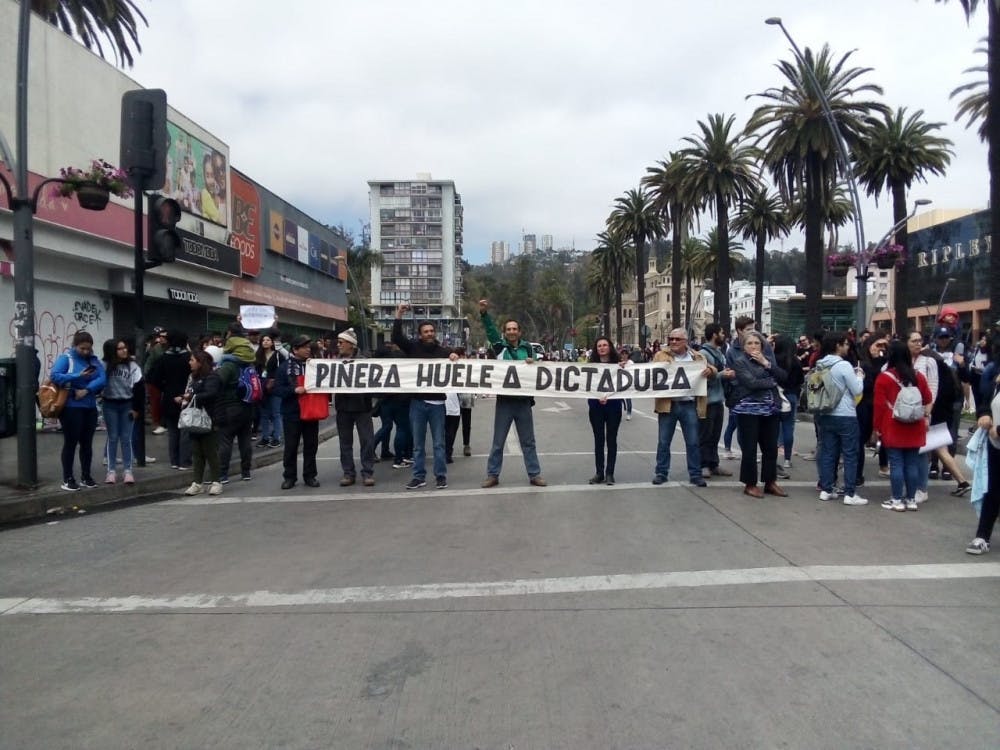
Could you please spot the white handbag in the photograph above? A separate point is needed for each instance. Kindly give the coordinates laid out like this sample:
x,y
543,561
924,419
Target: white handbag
x,y
194,419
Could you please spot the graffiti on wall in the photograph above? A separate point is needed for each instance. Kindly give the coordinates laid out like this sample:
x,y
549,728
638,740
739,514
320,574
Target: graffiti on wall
x,y
57,319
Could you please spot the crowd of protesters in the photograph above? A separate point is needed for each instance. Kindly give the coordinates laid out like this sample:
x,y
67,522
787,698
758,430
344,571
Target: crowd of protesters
x,y
251,387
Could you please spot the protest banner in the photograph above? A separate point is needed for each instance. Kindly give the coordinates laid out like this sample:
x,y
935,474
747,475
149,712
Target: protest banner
x,y
506,378
256,317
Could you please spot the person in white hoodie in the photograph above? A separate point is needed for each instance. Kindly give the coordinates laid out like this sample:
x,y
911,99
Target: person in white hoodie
x,y
839,429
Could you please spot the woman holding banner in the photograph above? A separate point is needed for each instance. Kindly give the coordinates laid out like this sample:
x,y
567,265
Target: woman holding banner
x,y
605,417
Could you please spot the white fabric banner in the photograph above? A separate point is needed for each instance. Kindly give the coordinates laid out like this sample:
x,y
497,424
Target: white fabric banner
x,y
506,378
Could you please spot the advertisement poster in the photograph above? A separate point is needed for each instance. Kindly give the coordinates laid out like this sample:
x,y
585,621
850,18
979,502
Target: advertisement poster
x,y
245,223
276,232
197,176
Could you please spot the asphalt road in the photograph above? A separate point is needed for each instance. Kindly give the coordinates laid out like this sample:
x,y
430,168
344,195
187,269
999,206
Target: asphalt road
x,y
562,617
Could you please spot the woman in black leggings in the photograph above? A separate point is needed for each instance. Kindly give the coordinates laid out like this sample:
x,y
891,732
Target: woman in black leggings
x,y
605,418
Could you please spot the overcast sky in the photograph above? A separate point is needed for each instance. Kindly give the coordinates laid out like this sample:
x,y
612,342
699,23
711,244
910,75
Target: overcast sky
x,y
542,112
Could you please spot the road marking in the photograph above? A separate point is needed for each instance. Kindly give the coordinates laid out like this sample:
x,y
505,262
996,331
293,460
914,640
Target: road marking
x,y
517,587
520,486
557,407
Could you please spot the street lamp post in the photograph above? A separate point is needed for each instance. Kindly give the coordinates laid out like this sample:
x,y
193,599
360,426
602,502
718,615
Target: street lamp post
x,y
944,291
845,162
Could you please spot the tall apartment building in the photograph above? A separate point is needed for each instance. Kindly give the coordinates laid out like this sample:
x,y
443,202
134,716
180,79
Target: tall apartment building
x,y
529,245
499,252
417,226
547,243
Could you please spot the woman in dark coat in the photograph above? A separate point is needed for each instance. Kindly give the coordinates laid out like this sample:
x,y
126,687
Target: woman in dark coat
x,y
170,374
757,411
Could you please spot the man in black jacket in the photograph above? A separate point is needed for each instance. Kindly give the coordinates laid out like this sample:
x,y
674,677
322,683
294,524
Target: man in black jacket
x,y
354,411
294,426
428,409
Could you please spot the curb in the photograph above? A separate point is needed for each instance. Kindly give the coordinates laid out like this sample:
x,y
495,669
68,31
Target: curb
x,y
50,500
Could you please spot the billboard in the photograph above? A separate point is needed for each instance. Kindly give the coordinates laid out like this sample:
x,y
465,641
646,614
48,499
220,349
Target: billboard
x,y
197,176
245,223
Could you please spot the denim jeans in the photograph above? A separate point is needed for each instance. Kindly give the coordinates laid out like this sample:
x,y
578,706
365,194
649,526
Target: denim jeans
x,y
727,438
422,416
686,413
905,465
518,412
118,420
788,424
402,444
839,436
270,418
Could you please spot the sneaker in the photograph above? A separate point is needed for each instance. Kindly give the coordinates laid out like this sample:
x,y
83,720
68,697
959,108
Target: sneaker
x,y
467,451
893,504
611,478
183,468
854,500
346,481
442,482
883,472
698,482
215,489
537,481
70,485
129,478
946,475
787,464
718,471
264,444
415,483
932,474
224,479
706,473
628,417
783,474
194,489
911,505
111,478
920,497
962,488
596,479
729,455
808,456
275,443
978,546
490,482
246,477
88,482
150,459
407,462
159,430
399,464
827,496
659,479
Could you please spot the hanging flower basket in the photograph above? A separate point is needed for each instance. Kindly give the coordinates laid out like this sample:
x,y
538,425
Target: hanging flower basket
x,y
93,186
840,263
888,256
93,197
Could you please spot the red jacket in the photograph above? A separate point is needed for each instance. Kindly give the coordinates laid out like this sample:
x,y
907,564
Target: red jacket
x,y
897,434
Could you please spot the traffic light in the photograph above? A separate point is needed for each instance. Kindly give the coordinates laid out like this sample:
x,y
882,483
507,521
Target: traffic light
x,y
163,238
144,137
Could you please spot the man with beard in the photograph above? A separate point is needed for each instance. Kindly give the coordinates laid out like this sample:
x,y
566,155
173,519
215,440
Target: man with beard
x,y
426,409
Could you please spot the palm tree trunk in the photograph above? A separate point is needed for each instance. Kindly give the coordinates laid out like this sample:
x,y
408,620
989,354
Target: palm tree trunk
x,y
722,295
676,261
900,293
618,310
993,123
640,288
814,246
687,301
758,302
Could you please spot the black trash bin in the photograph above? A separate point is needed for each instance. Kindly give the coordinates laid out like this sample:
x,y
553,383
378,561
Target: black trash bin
x,y
8,398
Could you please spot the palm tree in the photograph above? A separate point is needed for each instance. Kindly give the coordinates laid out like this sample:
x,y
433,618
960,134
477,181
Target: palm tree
x,y
719,172
619,259
666,184
992,125
635,216
976,104
801,151
696,260
896,151
761,218
599,282
90,19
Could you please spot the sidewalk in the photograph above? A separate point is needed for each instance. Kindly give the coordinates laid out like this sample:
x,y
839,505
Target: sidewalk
x,y
48,498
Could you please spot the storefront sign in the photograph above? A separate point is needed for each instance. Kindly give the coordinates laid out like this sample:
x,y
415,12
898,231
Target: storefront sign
x,y
208,253
182,295
245,222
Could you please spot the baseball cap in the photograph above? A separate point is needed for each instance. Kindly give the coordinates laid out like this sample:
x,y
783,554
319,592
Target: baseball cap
x,y
159,330
301,340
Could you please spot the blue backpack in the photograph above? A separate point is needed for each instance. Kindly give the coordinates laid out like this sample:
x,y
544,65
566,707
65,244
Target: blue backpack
x,y
248,387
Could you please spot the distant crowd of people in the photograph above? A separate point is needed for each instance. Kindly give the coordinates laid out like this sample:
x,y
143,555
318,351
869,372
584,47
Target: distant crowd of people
x,y
248,385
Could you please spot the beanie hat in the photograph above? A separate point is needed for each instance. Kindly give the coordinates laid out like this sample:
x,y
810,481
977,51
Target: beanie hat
x,y
348,336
